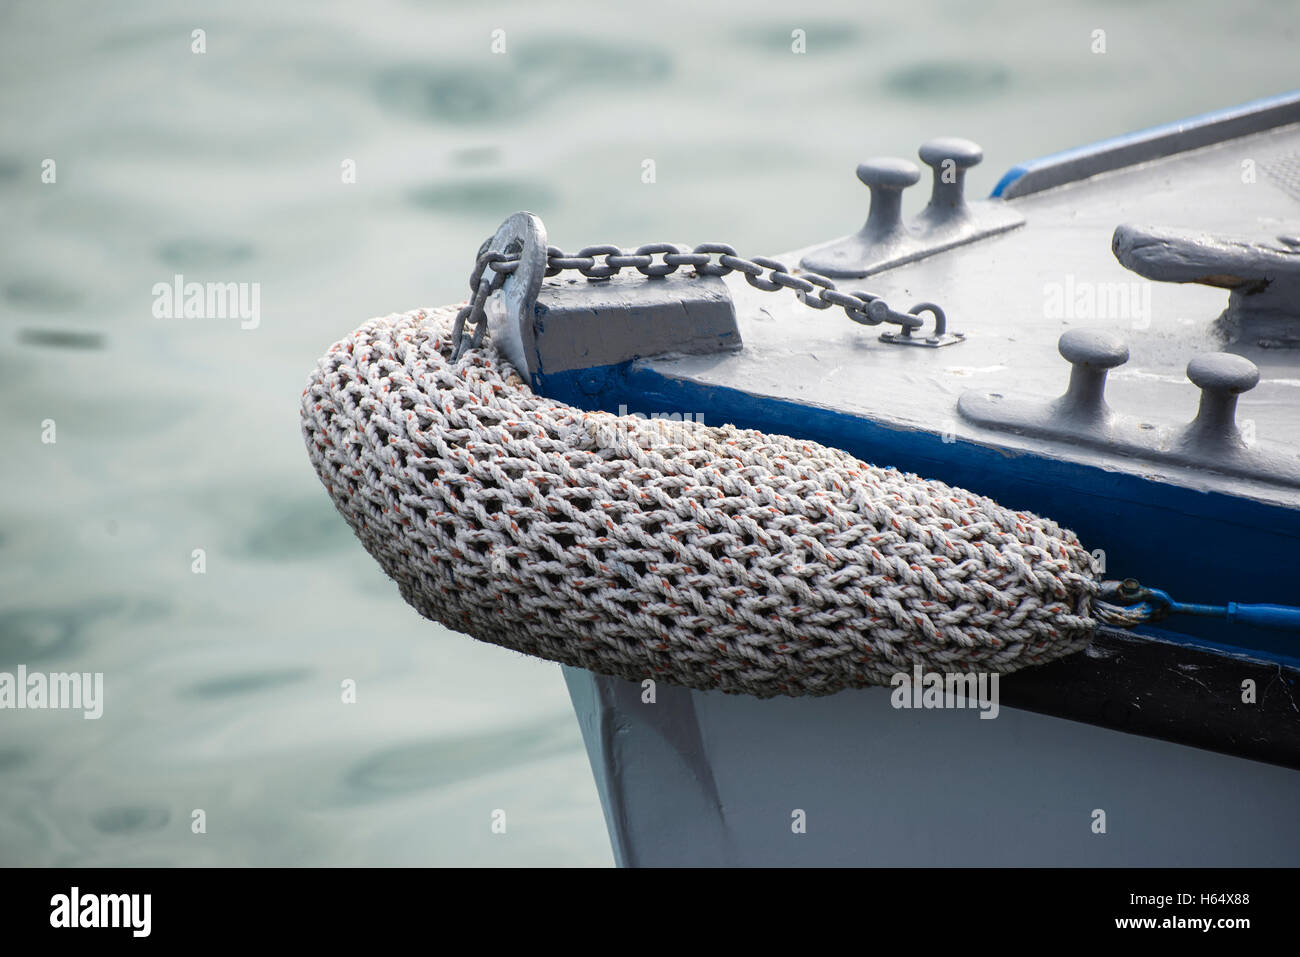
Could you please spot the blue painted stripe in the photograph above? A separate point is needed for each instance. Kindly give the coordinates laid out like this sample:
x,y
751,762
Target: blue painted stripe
x,y
1172,132
1013,174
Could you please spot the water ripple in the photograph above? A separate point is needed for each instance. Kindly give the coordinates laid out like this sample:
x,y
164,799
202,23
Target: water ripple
x,y
292,530
479,197
948,80
205,252
229,685
442,761
538,73
129,819
61,338
820,36
41,294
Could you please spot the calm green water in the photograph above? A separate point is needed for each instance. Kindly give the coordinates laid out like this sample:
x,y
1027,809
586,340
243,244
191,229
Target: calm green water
x,y
223,688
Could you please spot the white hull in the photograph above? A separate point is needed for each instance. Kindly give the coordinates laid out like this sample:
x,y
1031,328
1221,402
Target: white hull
x,y
703,778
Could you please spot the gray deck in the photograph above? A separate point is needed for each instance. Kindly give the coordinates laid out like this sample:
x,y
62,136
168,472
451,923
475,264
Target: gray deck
x,y
998,292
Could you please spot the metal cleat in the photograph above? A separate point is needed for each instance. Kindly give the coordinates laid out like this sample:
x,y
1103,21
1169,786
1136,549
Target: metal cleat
x,y
1082,417
886,241
1264,277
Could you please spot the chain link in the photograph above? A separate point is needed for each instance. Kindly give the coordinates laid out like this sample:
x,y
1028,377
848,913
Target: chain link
x,y
661,259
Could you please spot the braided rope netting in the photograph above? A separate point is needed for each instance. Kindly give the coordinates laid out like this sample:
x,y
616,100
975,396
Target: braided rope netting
x,y
711,557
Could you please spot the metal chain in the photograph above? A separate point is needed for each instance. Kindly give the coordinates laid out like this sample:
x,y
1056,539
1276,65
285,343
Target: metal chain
x,y
707,259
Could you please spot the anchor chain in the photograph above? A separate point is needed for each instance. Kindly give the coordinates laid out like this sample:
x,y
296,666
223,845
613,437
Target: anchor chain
x,y
706,259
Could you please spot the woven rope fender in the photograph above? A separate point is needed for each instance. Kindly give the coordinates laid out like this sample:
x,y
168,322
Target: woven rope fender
x,y
711,557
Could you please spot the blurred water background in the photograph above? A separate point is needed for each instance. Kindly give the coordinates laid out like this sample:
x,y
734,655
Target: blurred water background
x,y
223,689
